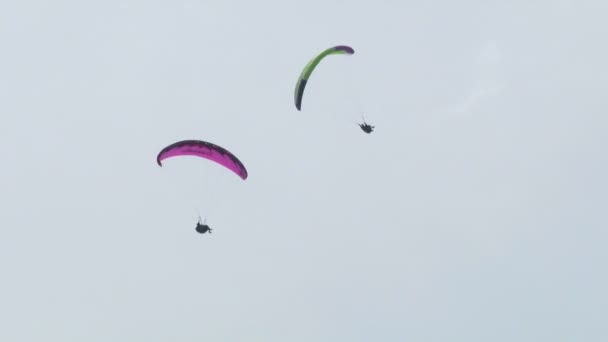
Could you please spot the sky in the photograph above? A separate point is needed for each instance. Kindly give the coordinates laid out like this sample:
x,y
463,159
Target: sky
x,y
476,211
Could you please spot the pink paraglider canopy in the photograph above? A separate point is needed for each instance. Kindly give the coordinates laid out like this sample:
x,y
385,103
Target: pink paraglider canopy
x,y
205,150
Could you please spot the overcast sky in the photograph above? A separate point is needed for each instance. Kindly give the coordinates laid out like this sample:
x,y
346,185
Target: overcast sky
x,y
477,210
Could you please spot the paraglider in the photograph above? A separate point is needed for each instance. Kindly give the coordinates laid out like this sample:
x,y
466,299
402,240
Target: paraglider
x,y
310,67
202,228
367,128
205,150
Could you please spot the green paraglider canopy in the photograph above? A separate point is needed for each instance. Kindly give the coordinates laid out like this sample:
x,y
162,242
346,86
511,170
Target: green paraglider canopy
x,y
310,67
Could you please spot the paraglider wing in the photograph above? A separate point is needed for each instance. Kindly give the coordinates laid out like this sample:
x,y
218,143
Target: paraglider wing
x,y
205,150
308,69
